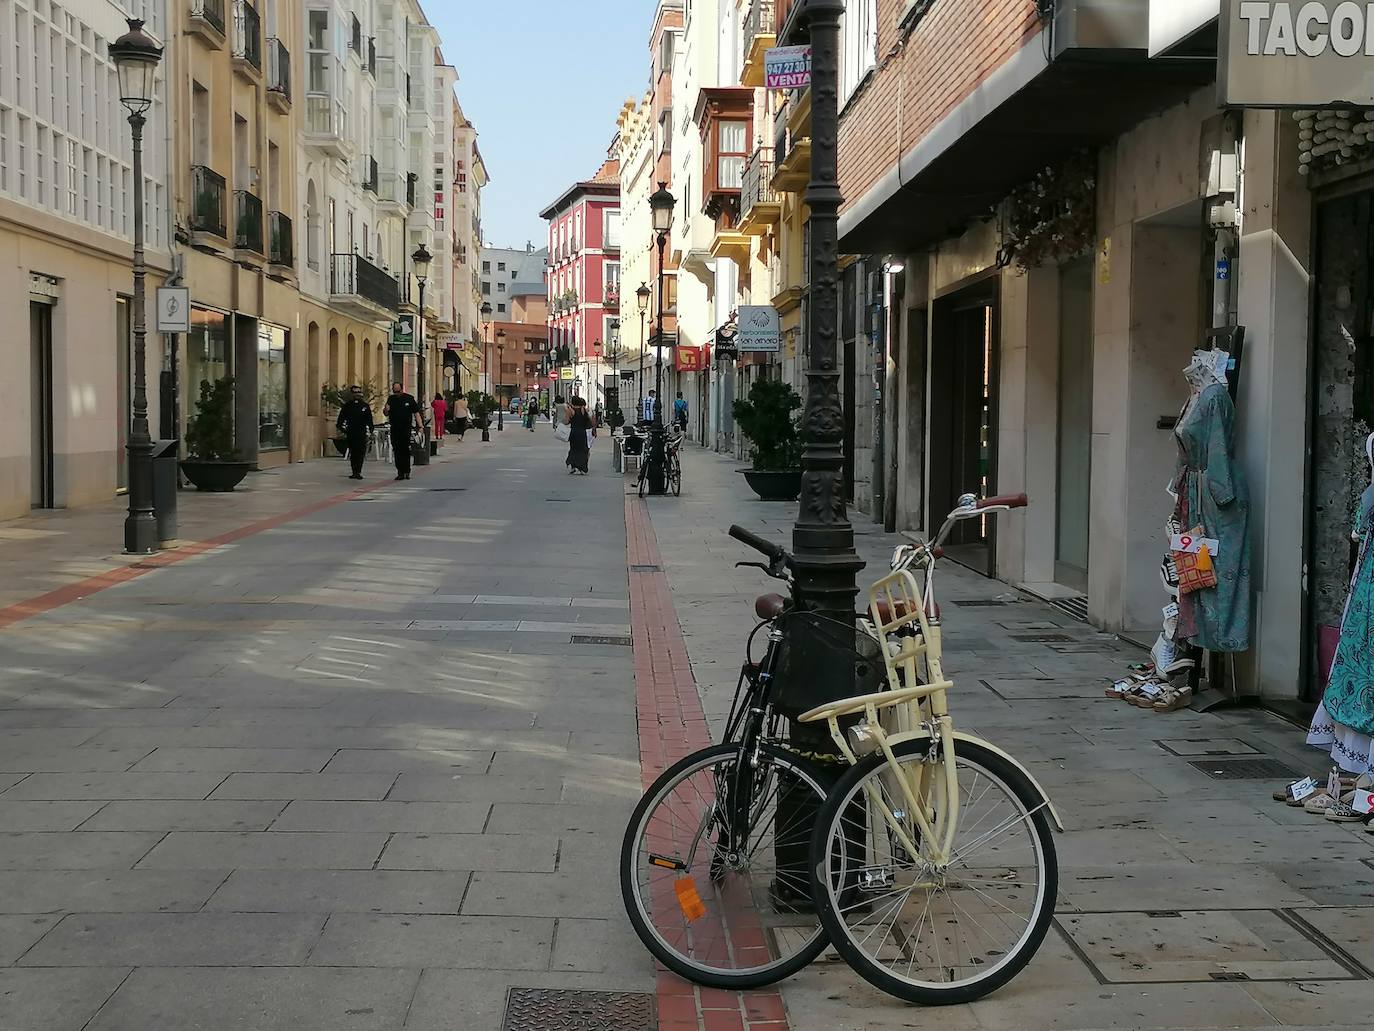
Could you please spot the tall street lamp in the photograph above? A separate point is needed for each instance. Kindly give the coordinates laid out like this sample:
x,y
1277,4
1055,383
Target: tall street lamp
x,y
500,379
661,204
420,261
136,56
822,537
486,361
642,296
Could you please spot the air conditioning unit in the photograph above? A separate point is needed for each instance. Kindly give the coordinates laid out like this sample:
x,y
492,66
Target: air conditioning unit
x,y
1101,29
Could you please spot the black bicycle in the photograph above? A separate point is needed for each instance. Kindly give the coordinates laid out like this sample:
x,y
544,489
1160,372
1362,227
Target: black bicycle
x,y
713,868
672,456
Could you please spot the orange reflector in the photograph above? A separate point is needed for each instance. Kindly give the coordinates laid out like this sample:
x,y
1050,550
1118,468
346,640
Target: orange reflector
x,y
688,899
666,862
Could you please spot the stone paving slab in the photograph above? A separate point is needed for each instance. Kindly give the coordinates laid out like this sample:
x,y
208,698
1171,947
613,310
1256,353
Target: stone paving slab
x,y
341,891
391,816
468,942
182,816
55,999
524,853
177,939
270,850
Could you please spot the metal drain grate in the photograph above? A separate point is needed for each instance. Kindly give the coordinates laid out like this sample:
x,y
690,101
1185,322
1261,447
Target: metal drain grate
x,y
1244,769
444,490
623,642
1228,975
1043,638
646,569
980,603
541,1009
1075,607
560,501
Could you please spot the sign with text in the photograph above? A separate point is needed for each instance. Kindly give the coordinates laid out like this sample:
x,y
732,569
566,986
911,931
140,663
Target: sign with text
x,y
1307,53
403,335
687,359
173,309
452,342
567,373
759,328
787,67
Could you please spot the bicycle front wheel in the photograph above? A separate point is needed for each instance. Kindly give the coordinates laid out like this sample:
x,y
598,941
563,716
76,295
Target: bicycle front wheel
x,y
713,867
925,931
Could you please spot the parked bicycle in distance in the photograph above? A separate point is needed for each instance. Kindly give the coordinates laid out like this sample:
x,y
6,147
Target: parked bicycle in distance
x,y
930,864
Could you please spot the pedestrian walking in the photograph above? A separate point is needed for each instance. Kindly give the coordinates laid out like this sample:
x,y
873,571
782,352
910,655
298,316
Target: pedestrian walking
x,y
532,413
402,412
680,412
440,408
561,413
580,439
461,417
650,407
355,424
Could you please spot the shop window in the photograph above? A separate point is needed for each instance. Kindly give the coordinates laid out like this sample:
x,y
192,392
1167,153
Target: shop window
x,y
208,353
274,423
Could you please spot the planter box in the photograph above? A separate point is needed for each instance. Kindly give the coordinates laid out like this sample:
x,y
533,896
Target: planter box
x,y
774,485
215,476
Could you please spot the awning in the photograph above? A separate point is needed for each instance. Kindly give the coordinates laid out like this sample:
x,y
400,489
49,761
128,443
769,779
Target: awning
x,y
1027,115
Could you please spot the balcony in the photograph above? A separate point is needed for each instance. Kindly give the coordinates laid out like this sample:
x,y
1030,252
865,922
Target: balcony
x,y
281,253
759,205
733,245
248,226
391,83
355,41
362,289
370,175
325,125
411,180
371,63
391,193
791,152
760,34
207,208
278,75
207,21
247,39
611,297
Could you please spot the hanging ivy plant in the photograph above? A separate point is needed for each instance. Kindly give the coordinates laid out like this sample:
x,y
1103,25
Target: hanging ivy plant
x,y
1051,218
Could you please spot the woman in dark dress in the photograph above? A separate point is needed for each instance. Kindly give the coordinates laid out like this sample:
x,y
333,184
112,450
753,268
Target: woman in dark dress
x,y
580,443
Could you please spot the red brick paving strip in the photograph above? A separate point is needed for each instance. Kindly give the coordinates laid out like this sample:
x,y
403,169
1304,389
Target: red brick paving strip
x,y
672,725
160,559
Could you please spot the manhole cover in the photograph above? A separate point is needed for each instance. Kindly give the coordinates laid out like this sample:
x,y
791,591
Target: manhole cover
x,y
1199,746
646,569
1244,769
979,603
1042,638
623,642
541,1009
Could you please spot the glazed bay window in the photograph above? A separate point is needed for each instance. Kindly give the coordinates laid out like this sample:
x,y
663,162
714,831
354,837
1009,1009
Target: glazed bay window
x,y
274,422
734,144
324,111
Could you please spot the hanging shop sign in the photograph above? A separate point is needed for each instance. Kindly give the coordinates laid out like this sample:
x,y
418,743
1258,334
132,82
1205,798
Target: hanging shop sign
x,y
759,328
403,335
173,309
627,375
726,343
787,67
687,359
1308,53
452,342
567,373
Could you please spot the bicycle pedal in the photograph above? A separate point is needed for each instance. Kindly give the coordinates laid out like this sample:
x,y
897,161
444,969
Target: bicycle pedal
x,y
666,862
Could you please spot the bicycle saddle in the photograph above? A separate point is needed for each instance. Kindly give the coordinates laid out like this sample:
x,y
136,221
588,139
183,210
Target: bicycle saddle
x,y
769,606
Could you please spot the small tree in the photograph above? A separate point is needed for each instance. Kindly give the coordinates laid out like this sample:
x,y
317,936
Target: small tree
x,y
210,432
480,407
766,419
334,397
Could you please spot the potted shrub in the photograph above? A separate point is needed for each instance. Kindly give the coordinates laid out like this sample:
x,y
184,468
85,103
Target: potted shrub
x,y
480,407
332,400
765,417
212,461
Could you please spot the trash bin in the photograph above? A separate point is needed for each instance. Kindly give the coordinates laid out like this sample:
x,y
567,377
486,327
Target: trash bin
x,y
165,487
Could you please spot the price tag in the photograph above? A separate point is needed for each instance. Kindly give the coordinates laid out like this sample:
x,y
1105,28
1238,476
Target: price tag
x,y
1151,690
1364,801
1190,545
1302,789
1171,610
1333,783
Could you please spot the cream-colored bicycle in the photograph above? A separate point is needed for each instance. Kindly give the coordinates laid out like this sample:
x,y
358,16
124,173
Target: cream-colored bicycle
x,y
932,861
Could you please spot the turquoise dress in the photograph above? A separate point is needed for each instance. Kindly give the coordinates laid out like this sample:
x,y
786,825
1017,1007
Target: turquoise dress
x,y
1349,698
1211,491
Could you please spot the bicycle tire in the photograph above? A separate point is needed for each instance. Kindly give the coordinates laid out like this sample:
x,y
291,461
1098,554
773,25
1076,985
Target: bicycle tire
x,y
637,905
675,477
643,479
1002,965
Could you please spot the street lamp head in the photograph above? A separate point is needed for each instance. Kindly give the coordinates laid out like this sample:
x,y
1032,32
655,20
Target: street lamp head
x,y
642,295
136,55
486,311
661,203
420,260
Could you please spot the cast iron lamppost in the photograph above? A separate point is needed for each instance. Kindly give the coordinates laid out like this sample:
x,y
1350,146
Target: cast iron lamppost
x,y
822,537
661,204
486,360
642,295
420,260
501,376
136,56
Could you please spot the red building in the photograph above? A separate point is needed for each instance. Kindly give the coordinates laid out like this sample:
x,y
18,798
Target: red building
x,y
584,263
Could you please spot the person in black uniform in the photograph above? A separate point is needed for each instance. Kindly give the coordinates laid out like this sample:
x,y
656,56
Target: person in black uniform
x,y
355,423
402,411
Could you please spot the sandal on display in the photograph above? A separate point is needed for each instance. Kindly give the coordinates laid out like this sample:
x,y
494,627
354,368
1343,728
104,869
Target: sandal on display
x,y
1342,812
1174,699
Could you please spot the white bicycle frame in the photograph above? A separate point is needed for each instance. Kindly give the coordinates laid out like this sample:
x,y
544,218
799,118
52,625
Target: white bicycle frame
x,y
915,706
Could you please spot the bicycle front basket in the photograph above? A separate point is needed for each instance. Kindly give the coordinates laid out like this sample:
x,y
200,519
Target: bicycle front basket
x,y
823,660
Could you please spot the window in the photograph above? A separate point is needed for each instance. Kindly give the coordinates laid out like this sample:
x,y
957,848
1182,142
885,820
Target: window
x,y
512,275
486,268
501,308
500,287
665,53
734,138
486,288
274,426
611,230
858,44
500,266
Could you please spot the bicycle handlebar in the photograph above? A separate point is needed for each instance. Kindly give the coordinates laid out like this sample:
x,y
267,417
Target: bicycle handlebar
x,y
775,552
1004,501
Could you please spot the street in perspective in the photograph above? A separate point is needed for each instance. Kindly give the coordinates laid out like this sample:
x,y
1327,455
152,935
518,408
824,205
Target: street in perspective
x,y
687,515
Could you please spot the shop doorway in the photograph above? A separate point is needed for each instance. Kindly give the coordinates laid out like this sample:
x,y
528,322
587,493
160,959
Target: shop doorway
x,y
1074,458
43,489
1342,414
963,413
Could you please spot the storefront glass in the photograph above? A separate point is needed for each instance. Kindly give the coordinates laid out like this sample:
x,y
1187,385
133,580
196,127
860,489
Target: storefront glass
x,y
207,354
274,424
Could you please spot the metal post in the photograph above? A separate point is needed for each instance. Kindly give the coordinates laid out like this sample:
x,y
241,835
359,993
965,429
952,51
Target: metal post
x,y
422,458
140,526
639,373
658,435
500,394
822,537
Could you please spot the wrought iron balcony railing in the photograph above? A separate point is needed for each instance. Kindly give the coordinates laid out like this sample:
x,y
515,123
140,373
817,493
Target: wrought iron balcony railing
x,y
207,211
353,275
247,222
761,20
247,33
280,246
211,11
758,180
278,68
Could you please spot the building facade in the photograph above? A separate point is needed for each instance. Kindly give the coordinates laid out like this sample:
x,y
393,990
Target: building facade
x,y
512,282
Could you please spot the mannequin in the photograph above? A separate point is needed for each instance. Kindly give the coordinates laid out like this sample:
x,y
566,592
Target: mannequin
x,y
1210,491
1344,721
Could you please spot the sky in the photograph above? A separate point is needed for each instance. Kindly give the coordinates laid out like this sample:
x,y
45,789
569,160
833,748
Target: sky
x,y
543,81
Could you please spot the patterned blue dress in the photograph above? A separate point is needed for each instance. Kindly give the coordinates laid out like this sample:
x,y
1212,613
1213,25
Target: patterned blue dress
x,y
1345,720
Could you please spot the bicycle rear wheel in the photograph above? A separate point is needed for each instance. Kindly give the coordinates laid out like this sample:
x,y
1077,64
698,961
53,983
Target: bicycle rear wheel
x,y
756,923
925,932
675,476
